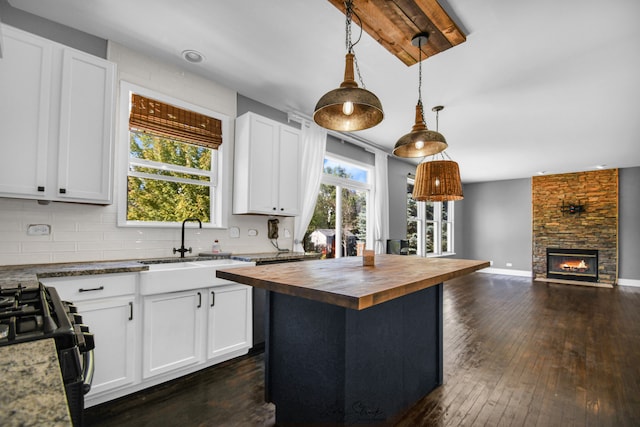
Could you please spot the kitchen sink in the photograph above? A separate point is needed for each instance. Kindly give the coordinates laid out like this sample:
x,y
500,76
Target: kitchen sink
x,y
171,266
182,276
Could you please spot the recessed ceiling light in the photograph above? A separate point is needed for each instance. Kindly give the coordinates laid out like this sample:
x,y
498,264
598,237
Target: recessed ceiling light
x,y
541,172
600,166
192,56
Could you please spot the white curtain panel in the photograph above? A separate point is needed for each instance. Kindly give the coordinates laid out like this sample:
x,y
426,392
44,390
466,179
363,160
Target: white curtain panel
x,y
314,143
381,203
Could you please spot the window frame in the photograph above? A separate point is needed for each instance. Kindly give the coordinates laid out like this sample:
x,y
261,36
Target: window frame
x,y
438,223
340,183
219,185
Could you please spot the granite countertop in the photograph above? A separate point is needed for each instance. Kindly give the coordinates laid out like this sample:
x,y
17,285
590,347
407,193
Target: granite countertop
x,y
32,392
28,274
275,256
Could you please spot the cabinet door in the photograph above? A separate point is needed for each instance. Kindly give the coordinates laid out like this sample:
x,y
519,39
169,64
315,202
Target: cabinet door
x,y
25,95
172,331
230,324
263,182
86,109
289,172
113,323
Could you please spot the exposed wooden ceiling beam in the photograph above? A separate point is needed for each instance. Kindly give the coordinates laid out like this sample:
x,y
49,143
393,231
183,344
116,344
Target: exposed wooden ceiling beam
x,y
394,23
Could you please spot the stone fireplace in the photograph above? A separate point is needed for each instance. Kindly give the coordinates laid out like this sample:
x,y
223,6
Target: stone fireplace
x,y
576,212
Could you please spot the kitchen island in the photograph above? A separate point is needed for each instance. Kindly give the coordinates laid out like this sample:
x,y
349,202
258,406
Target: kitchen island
x,y
348,344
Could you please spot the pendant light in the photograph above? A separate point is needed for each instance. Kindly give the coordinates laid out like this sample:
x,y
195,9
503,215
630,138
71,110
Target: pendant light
x,y
438,180
420,142
349,108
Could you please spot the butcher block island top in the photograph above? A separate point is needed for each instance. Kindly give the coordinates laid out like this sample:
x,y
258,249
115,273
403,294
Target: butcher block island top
x,y
347,283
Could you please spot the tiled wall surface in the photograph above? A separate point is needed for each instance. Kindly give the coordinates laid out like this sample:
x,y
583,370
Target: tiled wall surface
x,y
89,233
595,228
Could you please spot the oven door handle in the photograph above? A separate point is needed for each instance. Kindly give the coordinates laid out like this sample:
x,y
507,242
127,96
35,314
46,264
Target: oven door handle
x,y
88,370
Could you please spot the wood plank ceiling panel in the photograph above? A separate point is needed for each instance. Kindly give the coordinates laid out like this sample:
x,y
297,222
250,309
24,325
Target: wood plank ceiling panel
x,y
394,23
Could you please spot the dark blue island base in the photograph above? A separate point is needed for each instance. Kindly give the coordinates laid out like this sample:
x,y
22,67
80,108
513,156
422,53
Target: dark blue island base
x,y
330,365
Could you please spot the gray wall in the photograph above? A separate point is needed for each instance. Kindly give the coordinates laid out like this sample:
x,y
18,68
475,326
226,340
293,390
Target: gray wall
x,y
52,30
629,224
398,171
493,223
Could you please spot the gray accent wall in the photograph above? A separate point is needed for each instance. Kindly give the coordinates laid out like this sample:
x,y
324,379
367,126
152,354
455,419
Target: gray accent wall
x,y
493,223
398,171
629,224
52,30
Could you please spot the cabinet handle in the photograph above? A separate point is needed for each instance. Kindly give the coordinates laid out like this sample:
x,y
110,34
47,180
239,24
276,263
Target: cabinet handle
x,y
281,209
40,188
275,208
63,191
130,310
213,298
101,288
199,300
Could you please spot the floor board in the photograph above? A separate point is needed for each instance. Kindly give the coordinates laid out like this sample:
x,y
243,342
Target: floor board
x,y
516,353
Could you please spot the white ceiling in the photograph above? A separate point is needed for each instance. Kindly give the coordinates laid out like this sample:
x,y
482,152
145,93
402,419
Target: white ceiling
x,y
542,85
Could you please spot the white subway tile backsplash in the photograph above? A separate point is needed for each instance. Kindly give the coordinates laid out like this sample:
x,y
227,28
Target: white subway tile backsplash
x,y
72,256
19,259
34,247
77,236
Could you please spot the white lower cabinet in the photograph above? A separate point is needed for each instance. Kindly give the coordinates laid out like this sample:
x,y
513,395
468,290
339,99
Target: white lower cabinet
x,y
172,333
107,304
112,323
229,327
151,328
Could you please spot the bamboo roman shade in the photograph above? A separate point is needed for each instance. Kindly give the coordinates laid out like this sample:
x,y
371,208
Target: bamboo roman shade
x,y
149,115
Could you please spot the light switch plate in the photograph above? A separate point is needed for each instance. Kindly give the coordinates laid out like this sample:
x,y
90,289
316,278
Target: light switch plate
x,y
38,230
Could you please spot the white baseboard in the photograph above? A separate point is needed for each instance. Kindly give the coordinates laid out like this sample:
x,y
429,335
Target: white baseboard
x,y
629,282
506,271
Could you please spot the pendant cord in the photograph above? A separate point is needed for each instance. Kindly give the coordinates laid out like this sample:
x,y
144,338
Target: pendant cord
x,y
349,12
420,79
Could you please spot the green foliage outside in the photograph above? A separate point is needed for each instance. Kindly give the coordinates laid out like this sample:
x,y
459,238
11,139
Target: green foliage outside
x,y
354,214
155,199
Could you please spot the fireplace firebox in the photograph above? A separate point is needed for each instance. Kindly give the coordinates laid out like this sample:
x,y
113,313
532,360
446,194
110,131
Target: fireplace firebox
x,y
572,264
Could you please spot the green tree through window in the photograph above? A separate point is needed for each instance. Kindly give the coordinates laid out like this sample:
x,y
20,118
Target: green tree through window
x,y
168,180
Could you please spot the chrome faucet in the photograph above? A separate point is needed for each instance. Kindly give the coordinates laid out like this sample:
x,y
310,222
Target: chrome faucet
x,y
182,249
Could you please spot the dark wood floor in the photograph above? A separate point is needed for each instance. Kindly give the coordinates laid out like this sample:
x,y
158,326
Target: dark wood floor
x,y
517,353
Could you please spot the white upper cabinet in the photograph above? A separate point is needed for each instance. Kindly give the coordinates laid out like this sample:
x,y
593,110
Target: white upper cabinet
x,y
266,167
56,106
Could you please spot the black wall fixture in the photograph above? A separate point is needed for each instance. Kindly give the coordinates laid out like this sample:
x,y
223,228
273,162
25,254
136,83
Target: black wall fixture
x,y
572,208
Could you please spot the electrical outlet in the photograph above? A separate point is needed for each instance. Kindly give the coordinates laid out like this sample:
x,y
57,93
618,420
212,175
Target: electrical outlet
x,y
272,228
38,230
509,264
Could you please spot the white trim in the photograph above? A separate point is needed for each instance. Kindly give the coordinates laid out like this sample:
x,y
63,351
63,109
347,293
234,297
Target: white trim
x,y
352,139
629,282
122,153
506,272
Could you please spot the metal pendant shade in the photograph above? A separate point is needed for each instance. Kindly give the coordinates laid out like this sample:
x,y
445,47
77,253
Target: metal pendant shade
x,y
438,181
420,142
348,108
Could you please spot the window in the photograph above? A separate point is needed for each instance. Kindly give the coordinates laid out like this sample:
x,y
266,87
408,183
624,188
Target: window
x,y
429,226
340,223
173,162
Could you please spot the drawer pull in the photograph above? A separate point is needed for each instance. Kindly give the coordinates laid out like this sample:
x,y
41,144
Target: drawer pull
x,y
101,288
199,300
213,298
130,310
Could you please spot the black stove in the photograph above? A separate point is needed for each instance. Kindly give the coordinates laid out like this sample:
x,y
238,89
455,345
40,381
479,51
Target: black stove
x,y
29,313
